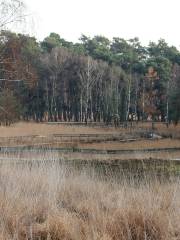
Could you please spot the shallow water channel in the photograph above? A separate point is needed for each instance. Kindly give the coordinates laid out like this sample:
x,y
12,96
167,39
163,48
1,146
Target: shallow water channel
x,y
130,170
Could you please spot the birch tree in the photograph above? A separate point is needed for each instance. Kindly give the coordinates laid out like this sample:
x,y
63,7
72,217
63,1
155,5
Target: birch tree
x,y
89,74
55,63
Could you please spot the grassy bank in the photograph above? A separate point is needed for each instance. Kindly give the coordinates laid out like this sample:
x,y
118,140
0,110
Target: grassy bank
x,y
52,202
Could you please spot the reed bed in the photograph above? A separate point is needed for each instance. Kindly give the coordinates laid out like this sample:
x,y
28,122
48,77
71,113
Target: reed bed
x,y
51,201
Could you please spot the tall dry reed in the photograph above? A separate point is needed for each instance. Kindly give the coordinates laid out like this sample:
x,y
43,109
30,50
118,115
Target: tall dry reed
x,y
52,202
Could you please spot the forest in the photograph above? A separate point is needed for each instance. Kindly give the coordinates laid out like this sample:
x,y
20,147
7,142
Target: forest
x,y
95,79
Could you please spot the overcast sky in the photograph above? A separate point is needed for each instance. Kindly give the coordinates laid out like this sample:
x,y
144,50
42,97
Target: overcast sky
x,y
146,19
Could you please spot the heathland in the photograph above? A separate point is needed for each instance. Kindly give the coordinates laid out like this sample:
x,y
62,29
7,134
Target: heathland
x,y
97,195
96,155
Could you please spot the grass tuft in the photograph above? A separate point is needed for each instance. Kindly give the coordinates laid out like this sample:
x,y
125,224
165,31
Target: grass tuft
x,y
52,203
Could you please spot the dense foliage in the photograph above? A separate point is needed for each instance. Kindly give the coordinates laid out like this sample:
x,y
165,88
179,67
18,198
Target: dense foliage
x,y
96,79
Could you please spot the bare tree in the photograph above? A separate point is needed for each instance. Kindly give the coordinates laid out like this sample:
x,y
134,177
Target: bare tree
x,y
55,62
11,12
90,73
129,86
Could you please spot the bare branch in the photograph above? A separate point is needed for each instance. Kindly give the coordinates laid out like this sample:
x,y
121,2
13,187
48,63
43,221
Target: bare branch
x,y
11,11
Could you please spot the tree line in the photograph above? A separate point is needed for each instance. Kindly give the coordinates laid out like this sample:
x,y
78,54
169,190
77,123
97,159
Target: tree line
x,y
96,79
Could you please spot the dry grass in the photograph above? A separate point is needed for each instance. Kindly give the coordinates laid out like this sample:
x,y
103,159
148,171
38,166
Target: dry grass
x,y
138,144
50,202
44,155
24,134
43,129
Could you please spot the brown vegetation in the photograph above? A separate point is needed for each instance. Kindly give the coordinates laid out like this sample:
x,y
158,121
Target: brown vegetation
x,y
44,129
139,144
51,202
47,156
47,136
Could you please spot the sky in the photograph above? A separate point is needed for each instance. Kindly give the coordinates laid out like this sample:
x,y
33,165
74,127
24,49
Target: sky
x,y
149,20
